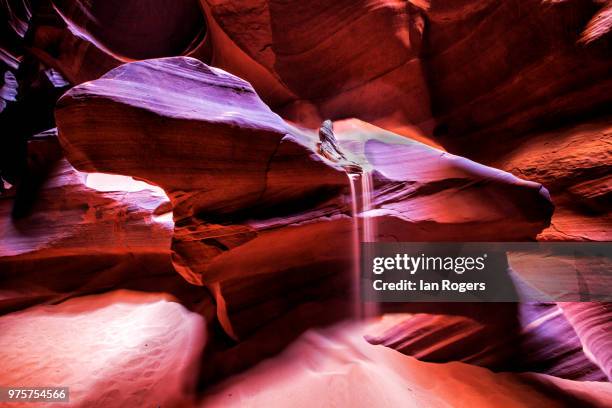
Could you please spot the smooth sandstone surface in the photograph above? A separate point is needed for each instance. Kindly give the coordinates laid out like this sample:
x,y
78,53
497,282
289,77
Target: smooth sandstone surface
x,y
121,349
541,340
500,69
336,65
337,366
592,323
133,30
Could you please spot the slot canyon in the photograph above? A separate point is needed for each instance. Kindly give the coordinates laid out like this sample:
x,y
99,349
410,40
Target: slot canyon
x,y
188,189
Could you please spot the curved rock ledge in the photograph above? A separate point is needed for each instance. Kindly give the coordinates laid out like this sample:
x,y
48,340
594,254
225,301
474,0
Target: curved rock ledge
x,y
253,200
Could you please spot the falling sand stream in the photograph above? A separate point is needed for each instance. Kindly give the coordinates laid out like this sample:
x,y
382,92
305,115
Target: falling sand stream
x,y
364,230
364,225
